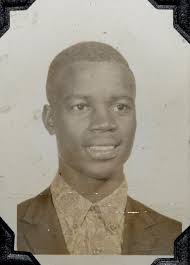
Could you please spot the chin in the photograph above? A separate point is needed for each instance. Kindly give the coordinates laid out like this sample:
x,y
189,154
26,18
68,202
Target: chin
x,y
102,172
101,176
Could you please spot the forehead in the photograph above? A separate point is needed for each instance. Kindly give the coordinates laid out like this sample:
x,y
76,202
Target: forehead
x,y
102,79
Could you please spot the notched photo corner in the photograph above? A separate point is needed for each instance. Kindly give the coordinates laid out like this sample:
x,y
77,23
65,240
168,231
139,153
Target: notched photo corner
x,y
6,6
7,254
181,14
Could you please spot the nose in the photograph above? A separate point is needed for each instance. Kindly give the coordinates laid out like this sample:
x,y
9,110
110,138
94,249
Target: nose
x,y
102,120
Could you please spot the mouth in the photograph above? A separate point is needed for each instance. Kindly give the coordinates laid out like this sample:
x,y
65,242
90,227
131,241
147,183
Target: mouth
x,y
102,152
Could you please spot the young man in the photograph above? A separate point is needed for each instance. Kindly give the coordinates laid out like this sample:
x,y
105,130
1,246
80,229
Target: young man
x,y
86,209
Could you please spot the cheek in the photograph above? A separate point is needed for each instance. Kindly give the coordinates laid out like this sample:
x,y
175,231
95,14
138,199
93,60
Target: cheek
x,y
128,130
69,135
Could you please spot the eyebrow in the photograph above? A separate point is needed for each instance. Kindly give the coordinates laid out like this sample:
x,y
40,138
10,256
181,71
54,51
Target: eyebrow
x,y
122,97
79,96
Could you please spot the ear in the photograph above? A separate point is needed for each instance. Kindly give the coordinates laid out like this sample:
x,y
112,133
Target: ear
x,y
48,119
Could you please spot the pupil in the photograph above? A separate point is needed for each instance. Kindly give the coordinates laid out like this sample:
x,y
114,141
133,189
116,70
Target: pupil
x,y
80,106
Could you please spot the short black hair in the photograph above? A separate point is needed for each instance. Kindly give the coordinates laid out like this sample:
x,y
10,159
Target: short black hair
x,y
83,51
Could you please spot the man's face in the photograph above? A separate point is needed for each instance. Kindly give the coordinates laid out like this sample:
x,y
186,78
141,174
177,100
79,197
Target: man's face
x,y
95,118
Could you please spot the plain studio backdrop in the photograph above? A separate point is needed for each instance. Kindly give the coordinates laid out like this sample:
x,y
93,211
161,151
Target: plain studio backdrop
x,y
158,169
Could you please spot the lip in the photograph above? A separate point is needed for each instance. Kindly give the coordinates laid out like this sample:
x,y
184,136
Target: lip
x,y
102,151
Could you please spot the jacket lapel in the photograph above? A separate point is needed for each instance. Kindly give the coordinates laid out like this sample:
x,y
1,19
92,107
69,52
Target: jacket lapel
x,y
138,237
44,233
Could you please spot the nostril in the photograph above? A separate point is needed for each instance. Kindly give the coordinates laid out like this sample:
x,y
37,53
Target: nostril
x,y
106,126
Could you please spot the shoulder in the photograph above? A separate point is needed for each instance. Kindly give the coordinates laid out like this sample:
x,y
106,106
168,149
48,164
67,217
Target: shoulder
x,y
155,217
38,228
149,232
37,204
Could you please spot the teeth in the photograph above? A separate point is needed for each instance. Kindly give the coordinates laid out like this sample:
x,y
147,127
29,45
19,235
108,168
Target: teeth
x,y
102,148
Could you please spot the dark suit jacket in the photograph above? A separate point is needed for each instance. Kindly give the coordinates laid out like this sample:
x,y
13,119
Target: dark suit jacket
x,y
146,232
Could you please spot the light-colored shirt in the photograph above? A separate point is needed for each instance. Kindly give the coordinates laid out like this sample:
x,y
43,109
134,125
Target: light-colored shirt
x,y
90,228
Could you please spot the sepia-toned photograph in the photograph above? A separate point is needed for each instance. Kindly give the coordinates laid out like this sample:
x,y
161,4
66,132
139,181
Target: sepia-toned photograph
x,y
95,131
86,210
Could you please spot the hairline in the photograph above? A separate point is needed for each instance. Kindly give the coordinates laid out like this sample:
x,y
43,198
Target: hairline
x,y
59,65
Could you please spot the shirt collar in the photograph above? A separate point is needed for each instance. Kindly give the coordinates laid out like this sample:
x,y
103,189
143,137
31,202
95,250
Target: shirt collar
x,y
113,206
75,207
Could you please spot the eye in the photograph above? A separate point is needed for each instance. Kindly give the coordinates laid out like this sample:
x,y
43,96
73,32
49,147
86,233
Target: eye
x,y
80,107
120,107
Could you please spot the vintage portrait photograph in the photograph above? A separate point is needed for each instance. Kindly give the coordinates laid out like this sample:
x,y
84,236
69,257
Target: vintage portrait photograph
x,y
95,116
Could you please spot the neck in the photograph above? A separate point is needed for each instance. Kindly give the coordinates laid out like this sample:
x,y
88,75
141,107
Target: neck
x,y
93,189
